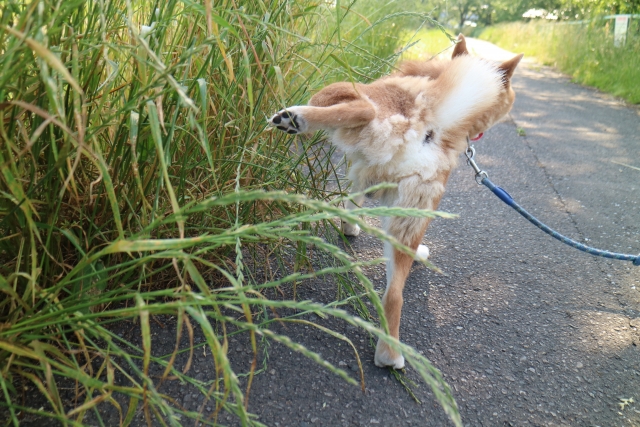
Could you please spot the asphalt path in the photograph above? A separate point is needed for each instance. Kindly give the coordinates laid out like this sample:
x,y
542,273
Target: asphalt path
x,y
526,330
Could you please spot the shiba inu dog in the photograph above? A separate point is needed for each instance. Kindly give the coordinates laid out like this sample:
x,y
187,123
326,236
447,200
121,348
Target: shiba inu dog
x,y
407,128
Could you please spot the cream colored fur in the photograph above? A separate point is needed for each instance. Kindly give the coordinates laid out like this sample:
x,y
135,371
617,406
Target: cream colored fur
x,y
408,128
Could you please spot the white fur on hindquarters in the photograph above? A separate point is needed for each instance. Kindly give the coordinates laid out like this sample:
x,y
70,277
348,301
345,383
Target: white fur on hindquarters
x,y
383,357
422,254
289,120
349,229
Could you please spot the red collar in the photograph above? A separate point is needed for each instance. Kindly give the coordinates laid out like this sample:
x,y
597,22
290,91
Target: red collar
x,y
477,137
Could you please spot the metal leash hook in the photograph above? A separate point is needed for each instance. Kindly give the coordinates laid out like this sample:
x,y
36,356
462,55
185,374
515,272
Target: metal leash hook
x,y
470,153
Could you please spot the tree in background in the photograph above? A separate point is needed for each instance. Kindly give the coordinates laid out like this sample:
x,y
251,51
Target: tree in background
x,y
507,10
579,9
467,10
487,12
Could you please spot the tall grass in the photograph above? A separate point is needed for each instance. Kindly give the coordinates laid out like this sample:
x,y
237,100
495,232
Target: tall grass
x,y
426,43
136,164
584,51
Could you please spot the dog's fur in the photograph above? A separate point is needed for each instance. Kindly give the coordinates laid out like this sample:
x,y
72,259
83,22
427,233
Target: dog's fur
x,y
408,128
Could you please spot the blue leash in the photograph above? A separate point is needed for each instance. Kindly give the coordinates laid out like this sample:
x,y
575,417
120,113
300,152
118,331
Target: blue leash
x,y
505,197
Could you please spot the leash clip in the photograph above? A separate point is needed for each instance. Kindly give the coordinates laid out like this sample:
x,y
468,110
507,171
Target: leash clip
x,y
470,153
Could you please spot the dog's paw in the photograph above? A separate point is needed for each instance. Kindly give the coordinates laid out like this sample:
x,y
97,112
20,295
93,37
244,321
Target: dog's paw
x,y
349,229
387,357
422,254
289,120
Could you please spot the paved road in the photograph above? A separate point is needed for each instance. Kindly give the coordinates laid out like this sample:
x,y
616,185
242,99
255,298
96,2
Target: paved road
x,y
526,330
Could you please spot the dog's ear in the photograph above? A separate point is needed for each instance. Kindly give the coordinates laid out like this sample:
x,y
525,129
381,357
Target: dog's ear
x,y
508,67
460,47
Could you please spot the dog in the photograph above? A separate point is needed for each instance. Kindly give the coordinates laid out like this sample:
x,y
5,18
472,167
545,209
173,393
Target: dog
x,y
407,128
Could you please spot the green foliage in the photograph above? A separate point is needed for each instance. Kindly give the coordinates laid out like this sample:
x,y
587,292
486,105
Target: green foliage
x,y
581,9
586,52
382,26
508,11
136,165
425,44
490,12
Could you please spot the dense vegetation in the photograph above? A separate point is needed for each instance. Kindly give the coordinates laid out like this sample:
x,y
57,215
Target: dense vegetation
x,y
139,179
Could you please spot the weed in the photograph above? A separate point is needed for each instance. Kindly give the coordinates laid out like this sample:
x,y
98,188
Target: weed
x,y
136,164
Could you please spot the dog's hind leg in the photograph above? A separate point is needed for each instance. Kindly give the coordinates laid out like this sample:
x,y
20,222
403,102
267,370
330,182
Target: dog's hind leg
x,y
398,267
307,118
351,229
422,253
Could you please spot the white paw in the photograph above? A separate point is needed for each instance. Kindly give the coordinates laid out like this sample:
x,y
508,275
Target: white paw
x,y
422,254
288,121
349,229
386,357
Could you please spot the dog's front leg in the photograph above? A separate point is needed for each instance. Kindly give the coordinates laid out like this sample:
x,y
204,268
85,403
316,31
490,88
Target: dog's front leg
x,y
347,228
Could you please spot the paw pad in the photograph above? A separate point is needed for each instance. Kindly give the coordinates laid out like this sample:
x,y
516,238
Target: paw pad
x,y
287,122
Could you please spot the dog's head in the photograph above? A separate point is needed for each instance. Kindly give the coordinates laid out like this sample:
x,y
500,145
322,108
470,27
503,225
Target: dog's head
x,y
433,69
